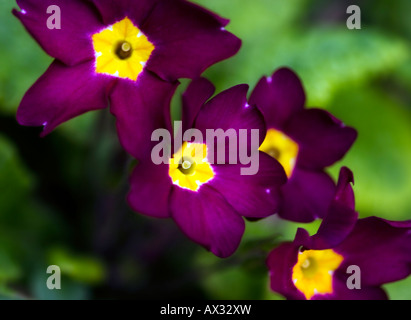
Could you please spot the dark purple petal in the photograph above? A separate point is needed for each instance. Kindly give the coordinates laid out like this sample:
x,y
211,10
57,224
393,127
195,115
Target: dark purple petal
x,y
252,196
345,194
230,114
229,109
322,139
279,97
342,292
140,108
187,39
339,220
381,250
398,224
115,10
334,229
306,196
206,218
63,93
150,188
196,95
71,43
280,263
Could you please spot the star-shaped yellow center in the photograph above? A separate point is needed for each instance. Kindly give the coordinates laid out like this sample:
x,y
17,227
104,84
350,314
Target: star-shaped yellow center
x,y
121,50
281,147
189,167
313,272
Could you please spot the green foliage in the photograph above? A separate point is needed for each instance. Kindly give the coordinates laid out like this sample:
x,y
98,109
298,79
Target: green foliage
x,y
326,57
15,180
9,270
381,156
338,59
23,59
235,284
399,290
70,289
83,269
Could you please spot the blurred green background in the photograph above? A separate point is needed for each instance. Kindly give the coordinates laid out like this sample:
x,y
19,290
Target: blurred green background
x,y
62,198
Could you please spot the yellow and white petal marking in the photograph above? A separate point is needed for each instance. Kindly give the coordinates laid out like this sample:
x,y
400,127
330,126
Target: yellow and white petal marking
x,y
189,167
313,272
279,146
121,50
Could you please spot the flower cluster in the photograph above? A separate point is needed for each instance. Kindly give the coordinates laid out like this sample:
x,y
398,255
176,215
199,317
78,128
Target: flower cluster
x,y
233,156
126,54
320,266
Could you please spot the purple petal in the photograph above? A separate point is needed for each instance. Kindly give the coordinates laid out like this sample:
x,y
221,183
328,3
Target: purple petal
x,y
140,108
63,93
230,112
229,109
71,43
323,139
206,218
252,196
381,250
306,196
195,96
188,39
150,188
339,220
342,292
399,224
279,97
280,263
115,10
334,229
345,194
337,225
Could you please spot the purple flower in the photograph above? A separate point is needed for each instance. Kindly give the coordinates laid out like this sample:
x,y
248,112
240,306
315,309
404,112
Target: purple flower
x,y
126,52
208,200
347,258
304,141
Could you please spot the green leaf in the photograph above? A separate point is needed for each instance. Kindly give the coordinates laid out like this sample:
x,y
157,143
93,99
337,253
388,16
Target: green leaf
x,y
333,58
235,284
15,180
79,130
26,225
380,158
262,26
327,58
9,294
399,290
9,270
69,289
25,60
274,226
84,269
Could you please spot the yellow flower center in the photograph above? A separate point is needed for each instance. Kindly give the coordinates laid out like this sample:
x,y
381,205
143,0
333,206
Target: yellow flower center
x,y
313,272
121,50
189,167
279,146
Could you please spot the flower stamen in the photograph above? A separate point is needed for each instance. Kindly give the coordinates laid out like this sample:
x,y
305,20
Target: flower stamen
x,y
273,152
189,167
124,50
